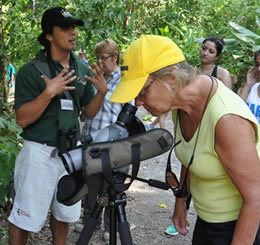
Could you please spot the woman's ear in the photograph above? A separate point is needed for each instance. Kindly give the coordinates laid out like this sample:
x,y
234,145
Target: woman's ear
x,y
170,78
169,81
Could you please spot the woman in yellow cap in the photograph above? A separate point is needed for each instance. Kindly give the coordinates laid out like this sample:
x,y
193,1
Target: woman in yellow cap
x,y
217,140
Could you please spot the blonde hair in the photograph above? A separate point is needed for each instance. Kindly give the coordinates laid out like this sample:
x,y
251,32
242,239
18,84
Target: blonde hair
x,y
107,46
182,72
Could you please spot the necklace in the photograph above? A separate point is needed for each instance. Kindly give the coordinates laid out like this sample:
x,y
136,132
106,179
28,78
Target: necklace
x,y
183,191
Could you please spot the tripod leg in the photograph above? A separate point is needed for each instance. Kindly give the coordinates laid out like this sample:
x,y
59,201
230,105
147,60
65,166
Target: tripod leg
x,y
112,226
123,226
89,226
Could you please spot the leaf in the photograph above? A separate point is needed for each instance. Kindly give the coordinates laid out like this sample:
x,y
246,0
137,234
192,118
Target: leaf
x,y
132,18
3,122
258,21
162,205
244,38
243,31
255,48
237,56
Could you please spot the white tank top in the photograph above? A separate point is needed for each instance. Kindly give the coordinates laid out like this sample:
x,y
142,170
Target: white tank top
x,y
253,101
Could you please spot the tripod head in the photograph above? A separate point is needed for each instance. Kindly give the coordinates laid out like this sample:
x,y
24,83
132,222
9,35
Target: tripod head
x,y
115,201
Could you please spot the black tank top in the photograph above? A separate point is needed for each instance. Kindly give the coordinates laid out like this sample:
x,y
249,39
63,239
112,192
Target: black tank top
x,y
214,72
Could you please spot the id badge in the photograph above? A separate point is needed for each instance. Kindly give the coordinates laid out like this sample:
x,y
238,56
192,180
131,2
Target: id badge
x,y
66,104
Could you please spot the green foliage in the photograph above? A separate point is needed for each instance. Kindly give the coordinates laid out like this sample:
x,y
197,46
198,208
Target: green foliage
x,y
250,38
10,143
3,236
124,20
185,38
247,42
187,22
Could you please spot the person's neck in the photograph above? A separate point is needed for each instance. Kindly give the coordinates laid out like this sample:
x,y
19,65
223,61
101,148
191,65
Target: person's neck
x,y
108,74
206,68
193,97
63,57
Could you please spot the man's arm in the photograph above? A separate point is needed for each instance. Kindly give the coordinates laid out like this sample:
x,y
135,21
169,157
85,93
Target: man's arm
x,y
235,146
250,82
31,111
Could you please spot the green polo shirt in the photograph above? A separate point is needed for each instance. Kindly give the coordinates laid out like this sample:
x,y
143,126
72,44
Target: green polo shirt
x,y
29,85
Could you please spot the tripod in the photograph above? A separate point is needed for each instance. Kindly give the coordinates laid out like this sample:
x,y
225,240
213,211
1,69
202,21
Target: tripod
x,y
116,202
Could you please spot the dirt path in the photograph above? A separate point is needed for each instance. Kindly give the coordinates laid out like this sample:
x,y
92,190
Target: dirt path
x,y
147,219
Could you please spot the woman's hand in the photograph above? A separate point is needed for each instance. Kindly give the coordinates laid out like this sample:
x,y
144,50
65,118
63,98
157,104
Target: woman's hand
x,y
180,217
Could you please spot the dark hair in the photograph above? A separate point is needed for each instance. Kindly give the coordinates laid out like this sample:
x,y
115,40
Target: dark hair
x,y
219,42
43,41
257,52
57,16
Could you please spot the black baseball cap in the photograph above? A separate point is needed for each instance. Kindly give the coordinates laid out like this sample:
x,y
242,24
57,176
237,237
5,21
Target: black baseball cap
x,y
58,17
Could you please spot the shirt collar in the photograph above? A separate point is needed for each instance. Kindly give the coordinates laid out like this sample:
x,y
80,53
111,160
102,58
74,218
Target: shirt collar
x,y
115,73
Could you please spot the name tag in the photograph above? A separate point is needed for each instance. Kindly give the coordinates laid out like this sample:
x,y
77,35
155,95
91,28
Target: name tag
x,y
66,104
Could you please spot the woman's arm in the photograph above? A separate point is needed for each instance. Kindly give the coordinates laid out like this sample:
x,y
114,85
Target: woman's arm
x,y
235,146
225,77
180,211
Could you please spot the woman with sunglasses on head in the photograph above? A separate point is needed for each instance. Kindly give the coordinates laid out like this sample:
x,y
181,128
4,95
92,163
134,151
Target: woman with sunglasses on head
x,y
210,51
217,136
250,93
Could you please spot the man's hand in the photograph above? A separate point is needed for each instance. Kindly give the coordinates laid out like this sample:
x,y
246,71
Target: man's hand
x,y
59,84
98,79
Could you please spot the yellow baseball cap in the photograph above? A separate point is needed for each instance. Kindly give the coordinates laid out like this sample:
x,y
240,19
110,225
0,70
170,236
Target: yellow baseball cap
x,y
145,55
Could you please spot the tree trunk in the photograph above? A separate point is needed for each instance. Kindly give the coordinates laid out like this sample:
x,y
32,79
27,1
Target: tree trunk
x,y
3,71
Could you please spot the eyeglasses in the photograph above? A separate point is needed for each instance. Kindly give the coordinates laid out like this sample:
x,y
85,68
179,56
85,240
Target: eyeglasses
x,y
102,58
144,90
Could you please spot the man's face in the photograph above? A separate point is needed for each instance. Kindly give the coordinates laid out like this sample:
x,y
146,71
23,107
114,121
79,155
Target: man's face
x,y
63,39
82,56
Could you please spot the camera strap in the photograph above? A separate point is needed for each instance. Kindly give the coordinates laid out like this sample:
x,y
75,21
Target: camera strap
x,y
107,169
48,69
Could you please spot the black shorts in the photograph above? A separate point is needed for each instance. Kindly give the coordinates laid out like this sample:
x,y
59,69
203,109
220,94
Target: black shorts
x,y
206,233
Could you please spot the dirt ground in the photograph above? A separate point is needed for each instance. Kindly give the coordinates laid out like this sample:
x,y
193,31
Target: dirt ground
x,y
148,209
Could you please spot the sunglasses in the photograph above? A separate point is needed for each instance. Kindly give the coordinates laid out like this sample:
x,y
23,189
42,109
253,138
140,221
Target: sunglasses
x,y
172,180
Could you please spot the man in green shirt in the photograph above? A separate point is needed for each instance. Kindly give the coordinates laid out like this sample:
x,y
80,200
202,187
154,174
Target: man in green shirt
x,y
50,92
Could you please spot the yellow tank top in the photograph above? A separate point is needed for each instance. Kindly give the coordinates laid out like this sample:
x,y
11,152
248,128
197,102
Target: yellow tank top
x,y
215,197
